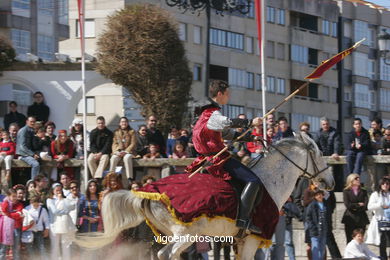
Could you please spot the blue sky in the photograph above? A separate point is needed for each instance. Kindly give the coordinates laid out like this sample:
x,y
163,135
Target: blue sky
x,y
385,3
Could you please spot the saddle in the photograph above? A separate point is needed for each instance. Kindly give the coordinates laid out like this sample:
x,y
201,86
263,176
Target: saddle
x,y
205,196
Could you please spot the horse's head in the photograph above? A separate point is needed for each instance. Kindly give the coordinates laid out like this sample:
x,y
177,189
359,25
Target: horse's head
x,y
317,169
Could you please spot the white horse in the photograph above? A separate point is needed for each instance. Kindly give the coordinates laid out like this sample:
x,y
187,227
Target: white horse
x,y
279,171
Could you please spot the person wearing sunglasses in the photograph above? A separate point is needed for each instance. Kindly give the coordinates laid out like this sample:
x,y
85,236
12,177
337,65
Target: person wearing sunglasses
x,y
379,204
355,200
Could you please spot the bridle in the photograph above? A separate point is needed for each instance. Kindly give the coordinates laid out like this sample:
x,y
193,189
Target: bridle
x,y
309,154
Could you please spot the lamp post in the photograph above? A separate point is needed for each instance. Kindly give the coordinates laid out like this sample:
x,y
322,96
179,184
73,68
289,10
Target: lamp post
x,y
220,6
384,46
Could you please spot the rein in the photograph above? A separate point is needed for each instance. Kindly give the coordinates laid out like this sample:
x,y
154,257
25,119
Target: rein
x,y
304,173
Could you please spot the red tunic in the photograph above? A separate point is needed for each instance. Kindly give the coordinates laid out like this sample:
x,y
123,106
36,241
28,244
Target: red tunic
x,y
8,147
208,142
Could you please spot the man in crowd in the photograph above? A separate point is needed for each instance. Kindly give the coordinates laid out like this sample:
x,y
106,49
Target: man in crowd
x,y
24,147
328,141
13,131
154,135
284,131
14,116
358,146
100,145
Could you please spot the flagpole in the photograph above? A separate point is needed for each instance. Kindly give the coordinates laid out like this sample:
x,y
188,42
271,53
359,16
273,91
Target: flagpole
x,y
81,5
259,6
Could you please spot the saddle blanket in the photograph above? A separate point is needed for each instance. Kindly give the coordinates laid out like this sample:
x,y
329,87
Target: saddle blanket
x,y
206,196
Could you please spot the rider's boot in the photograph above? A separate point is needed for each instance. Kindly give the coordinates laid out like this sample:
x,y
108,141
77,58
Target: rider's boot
x,y
248,199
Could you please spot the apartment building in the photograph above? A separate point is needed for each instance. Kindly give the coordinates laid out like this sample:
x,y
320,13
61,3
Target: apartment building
x,y
364,76
35,28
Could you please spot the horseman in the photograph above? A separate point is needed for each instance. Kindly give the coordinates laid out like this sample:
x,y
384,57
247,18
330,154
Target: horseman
x,y
208,134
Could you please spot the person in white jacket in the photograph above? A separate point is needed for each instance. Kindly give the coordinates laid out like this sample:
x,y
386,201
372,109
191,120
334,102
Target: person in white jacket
x,y
378,202
62,229
357,249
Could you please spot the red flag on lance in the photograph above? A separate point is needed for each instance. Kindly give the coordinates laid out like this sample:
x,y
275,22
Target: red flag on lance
x,y
327,64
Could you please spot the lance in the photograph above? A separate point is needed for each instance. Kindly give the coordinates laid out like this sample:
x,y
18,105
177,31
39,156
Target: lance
x,y
317,73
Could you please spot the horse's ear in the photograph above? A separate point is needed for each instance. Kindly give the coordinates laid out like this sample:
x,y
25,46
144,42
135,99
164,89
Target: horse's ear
x,y
305,138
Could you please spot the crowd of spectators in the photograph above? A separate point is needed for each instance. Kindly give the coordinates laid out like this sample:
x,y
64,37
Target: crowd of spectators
x,y
51,204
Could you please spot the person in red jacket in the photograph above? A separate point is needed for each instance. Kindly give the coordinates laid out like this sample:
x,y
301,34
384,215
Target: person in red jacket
x,y
62,150
256,147
11,226
7,153
209,132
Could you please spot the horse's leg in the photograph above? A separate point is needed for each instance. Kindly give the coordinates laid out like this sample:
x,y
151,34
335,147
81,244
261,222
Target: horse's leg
x,y
178,248
165,252
249,248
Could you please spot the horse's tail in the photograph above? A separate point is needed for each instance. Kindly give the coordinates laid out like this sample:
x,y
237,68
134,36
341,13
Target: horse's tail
x,y
120,210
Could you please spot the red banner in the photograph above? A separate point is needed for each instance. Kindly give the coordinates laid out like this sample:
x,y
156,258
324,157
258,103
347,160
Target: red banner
x,y
327,64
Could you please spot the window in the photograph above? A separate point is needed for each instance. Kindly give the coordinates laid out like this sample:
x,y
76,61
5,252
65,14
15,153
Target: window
x,y
270,84
232,111
360,61
385,99
227,39
299,54
360,31
21,41
270,14
197,34
270,49
281,86
281,16
348,29
371,38
197,72
325,27
183,31
63,7
280,55
334,29
250,80
384,71
371,69
258,82
21,7
347,96
46,7
251,13
249,44
89,28
362,96
90,106
46,47
311,91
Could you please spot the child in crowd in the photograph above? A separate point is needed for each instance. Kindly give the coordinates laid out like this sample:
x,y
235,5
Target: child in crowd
x,y
39,227
179,152
7,153
357,249
41,145
11,224
154,152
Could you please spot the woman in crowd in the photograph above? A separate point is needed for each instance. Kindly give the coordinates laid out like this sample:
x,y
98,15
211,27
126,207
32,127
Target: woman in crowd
x,y
30,186
112,182
256,147
50,129
142,141
379,204
77,137
62,150
39,109
21,194
355,201
89,212
62,228
123,148
357,249
11,225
